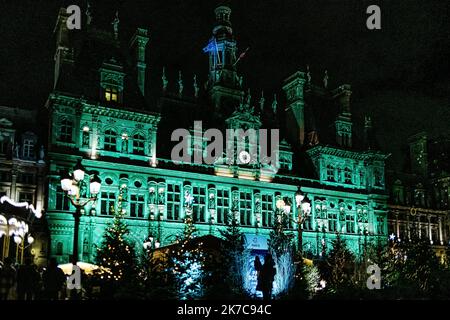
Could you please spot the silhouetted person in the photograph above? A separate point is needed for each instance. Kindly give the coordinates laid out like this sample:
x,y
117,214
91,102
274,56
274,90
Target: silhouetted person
x,y
267,276
7,278
27,280
258,267
54,279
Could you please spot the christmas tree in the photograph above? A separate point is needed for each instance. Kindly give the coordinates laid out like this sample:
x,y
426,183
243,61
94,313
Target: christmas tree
x,y
282,250
186,261
116,256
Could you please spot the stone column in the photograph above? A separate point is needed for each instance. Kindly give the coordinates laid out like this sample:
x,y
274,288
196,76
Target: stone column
x,y
441,240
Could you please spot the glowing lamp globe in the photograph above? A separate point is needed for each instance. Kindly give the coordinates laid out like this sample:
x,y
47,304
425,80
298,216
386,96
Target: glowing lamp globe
x,y
95,185
78,171
17,239
30,239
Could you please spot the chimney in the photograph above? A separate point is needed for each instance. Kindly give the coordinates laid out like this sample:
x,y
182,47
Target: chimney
x,y
64,54
418,153
343,122
295,118
137,45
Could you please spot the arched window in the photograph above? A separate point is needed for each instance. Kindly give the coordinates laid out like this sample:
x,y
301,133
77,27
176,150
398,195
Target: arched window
x,y
65,130
110,140
139,144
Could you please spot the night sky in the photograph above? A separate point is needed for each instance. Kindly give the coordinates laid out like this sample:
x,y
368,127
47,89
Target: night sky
x,y
400,75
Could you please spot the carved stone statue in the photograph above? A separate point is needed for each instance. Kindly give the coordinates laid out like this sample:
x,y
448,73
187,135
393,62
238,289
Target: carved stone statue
x,y
83,189
211,202
161,196
165,82
180,84
325,79
274,103
196,88
152,196
261,101
41,154
308,74
124,144
115,25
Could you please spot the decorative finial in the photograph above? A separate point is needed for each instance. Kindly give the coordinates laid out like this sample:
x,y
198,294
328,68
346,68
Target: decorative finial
x,y
261,101
196,88
115,25
308,74
274,103
249,97
88,14
325,79
164,79
180,84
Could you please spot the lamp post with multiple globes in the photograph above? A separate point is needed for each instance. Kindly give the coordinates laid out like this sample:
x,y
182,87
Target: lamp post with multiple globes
x,y
71,184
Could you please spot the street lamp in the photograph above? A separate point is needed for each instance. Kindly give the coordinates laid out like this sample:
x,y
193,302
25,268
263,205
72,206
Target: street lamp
x,y
303,211
71,184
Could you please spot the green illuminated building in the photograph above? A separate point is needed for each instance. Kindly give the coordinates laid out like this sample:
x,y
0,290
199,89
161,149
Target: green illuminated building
x,y
99,112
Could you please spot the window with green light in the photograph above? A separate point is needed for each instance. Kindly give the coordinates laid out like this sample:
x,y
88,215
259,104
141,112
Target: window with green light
x,y
65,130
246,208
267,208
62,202
107,203
332,221
110,143
198,207
139,144
223,205
173,201
350,223
330,173
137,203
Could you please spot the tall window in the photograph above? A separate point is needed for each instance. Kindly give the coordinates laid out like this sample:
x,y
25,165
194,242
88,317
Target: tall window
x,y
199,194
110,140
267,210
347,175
28,148
108,201
26,197
246,208
223,205
65,131
137,203
62,202
350,223
173,201
111,94
330,173
138,144
332,222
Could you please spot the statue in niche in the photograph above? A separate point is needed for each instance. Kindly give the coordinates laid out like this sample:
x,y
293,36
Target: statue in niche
x,y
41,154
124,192
152,196
325,79
257,205
241,81
161,196
212,202
124,144
235,203
16,150
188,199
83,189
341,214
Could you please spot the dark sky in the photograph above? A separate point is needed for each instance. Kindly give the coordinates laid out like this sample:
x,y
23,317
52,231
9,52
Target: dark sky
x,y
400,74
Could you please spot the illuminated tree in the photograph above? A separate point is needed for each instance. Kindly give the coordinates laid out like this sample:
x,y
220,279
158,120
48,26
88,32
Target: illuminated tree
x,y
186,262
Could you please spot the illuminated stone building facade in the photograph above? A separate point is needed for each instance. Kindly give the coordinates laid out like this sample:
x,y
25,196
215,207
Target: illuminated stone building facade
x,y
23,169
420,195
100,112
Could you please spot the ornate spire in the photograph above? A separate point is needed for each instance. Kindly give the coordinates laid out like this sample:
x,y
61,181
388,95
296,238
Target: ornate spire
x,y
308,74
164,79
180,84
274,103
115,25
196,88
325,79
261,101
